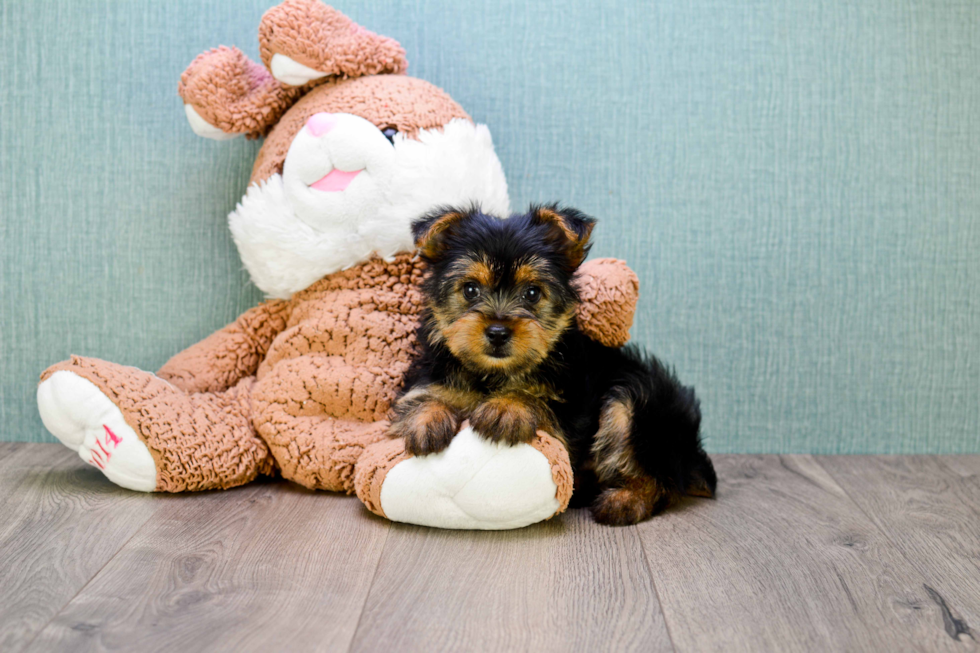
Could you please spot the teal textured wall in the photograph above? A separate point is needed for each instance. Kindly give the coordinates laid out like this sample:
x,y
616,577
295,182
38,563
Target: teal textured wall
x,y
796,182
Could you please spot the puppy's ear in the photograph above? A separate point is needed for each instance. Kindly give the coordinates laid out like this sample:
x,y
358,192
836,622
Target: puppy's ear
x,y
570,228
430,231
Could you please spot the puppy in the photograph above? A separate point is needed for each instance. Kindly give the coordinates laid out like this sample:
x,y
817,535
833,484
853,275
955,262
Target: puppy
x,y
500,347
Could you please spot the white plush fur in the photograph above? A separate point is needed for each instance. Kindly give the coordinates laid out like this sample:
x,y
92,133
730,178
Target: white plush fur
x,y
290,235
291,72
77,413
203,128
473,484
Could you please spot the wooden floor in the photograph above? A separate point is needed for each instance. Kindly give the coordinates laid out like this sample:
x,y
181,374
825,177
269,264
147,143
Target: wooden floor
x,y
797,553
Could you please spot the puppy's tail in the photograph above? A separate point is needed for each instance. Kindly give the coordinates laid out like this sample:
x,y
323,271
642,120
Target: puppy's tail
x,y
666,430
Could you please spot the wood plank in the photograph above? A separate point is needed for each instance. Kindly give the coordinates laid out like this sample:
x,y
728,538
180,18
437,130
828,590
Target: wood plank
x,y
964,464
14,464
562,585
269,566
783,560
60,522
932,514
9,450
20,460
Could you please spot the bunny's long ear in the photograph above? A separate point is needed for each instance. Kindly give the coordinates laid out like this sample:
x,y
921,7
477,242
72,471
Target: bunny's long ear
x,y
305,40
227,95
303,43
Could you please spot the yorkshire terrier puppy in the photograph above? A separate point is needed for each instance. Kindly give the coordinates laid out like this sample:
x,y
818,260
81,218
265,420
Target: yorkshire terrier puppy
x,y
500,347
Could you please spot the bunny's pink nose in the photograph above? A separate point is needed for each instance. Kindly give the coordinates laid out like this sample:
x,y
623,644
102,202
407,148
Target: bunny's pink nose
x,y
320,123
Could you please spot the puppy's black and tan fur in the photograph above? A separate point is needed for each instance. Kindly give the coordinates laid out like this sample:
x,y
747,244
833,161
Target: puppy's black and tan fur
x,y
501,348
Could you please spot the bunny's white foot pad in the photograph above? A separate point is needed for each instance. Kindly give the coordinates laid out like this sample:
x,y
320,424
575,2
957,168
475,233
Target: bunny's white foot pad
x,y
473,484
85,420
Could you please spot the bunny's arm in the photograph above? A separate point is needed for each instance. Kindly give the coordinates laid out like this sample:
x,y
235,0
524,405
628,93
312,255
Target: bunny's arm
x,y
608,289
229,355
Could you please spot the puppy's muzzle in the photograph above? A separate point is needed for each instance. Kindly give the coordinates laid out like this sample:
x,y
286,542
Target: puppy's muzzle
x,y
498,335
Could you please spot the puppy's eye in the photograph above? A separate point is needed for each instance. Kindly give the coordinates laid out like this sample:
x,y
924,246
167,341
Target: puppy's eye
x,y
389,133
532,294
471,291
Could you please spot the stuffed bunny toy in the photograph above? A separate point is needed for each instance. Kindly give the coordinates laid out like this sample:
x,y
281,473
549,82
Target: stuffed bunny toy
x,y
301,385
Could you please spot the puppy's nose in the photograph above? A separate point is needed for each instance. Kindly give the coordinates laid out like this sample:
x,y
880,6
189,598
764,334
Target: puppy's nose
x,y
498,334
320,123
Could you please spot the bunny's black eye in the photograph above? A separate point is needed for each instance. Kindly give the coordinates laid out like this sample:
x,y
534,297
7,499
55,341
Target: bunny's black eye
x,y
471,291
532,294
389,133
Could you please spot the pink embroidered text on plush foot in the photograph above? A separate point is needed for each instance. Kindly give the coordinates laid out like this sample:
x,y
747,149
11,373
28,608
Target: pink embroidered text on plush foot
x,y
111,441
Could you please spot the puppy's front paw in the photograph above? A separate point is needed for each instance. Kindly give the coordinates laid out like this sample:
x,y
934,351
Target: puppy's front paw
x,y
506,420
427,428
